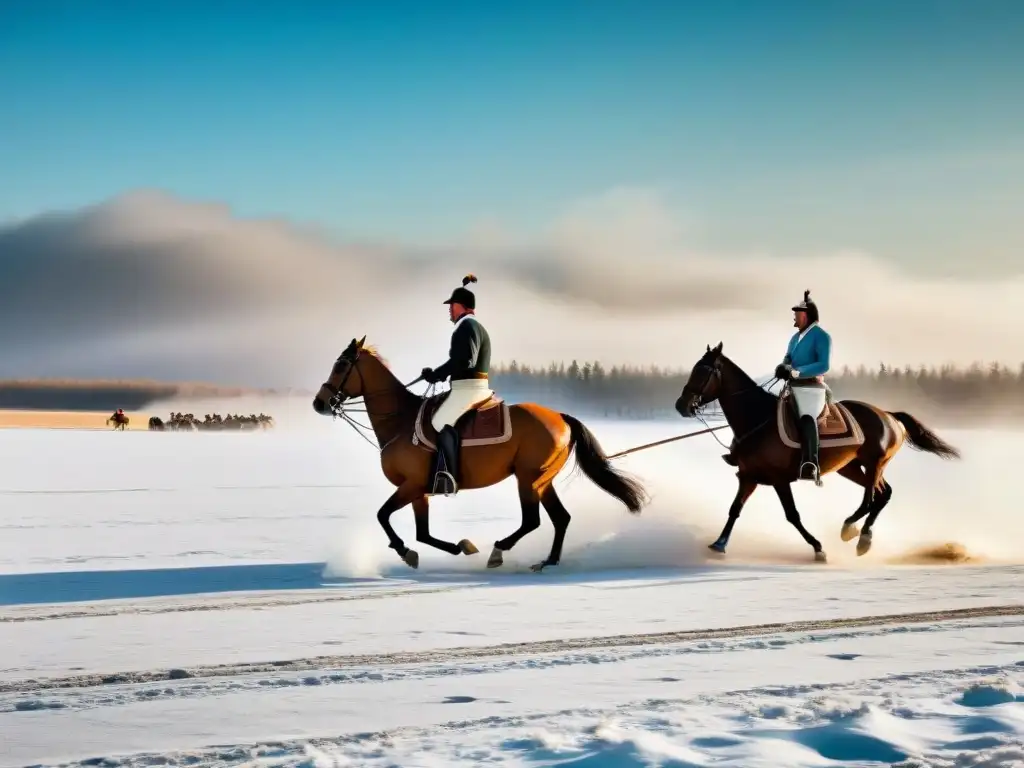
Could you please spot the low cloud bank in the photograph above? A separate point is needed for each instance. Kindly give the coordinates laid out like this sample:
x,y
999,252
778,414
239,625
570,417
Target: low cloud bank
x,y
151,285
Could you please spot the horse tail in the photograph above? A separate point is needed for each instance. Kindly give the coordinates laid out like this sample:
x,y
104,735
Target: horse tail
x,y
923,439
591,458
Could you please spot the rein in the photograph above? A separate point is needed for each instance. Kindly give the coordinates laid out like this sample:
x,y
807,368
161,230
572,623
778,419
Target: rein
x,y
715,371
667,440
340,404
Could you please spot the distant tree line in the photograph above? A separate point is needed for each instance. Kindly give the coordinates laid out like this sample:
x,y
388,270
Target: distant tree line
x,y
947,393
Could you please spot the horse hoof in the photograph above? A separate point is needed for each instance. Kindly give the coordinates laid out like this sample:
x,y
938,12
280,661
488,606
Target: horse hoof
x,y
849,532
863,544
495,560
819,557
468,547
537,567
412,559
717,547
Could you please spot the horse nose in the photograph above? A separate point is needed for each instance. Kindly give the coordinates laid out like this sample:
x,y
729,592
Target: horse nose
x,y
319,405
683,406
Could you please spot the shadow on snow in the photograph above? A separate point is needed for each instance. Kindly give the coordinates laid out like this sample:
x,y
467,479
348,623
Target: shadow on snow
x,y
82,586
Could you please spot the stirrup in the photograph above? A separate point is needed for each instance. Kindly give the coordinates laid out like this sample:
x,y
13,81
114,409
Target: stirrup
x,y
446,480
815,473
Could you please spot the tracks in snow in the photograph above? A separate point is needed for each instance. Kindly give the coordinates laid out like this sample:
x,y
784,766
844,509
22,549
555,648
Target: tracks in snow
x,y
22,613
507,650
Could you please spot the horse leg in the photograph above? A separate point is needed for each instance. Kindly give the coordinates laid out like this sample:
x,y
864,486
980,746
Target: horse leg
x,y
560,517
421,509
747,487
855,473
785,492
877,493
400,498
881,500
529,500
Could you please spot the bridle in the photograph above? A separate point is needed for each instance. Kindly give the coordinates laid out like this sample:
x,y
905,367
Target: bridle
x,y
335,396
714,371
340,403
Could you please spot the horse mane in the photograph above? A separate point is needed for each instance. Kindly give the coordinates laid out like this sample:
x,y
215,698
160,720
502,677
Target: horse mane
x,y
372,349
764,395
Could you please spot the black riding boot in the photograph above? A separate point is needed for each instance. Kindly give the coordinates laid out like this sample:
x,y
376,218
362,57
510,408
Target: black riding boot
x,y
447,462
809,469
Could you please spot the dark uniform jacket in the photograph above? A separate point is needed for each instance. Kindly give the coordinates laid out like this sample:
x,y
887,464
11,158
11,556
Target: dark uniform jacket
x,y
470,353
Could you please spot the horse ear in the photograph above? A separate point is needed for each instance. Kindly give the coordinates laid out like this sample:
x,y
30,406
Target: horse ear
x,y
709,347
719,347
360,343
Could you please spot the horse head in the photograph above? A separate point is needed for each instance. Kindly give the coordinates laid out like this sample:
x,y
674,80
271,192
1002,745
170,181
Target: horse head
x,y
704,384
341,384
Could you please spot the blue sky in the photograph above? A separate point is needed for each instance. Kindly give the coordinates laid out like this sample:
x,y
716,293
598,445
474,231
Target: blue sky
x,y
892,126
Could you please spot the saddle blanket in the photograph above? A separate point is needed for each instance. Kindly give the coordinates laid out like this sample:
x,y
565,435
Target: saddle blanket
x,y
837,427
489,423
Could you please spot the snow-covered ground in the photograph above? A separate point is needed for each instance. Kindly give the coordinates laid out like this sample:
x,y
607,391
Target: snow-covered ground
x,y
219,599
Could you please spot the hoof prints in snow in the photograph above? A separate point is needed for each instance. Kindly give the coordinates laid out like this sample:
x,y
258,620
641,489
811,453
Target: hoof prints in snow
x,y
987,696
122,691
922,720
835,741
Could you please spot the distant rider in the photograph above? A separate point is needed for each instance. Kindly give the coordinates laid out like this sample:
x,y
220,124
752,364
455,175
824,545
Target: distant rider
x,y
469,360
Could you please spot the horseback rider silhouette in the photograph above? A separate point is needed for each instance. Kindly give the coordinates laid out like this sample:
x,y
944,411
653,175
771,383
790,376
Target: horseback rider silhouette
x,y
469,360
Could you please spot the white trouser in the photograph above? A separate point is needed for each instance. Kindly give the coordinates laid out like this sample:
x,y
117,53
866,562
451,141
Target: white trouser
x,y
810,401
464,395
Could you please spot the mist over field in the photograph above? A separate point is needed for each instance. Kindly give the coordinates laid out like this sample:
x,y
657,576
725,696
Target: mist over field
x,y
150,285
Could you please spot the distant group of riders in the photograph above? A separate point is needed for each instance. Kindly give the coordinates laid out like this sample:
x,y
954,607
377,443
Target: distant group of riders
x,y
188,422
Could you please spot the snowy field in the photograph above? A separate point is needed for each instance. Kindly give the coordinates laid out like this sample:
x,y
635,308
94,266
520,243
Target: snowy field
x,y
229,600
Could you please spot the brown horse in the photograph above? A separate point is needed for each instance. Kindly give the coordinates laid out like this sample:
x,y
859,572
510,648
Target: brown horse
x,y
534,446
120,420
857,441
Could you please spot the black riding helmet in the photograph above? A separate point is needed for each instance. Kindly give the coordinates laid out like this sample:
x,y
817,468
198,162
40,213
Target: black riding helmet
x,y
462,295
808,306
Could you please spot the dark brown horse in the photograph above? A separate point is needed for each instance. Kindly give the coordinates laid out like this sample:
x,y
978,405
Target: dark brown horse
x,y
120,420
533,446
857,441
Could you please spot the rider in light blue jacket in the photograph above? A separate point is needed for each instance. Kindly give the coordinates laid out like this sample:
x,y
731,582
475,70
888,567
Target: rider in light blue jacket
x,y
810,350
808,358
